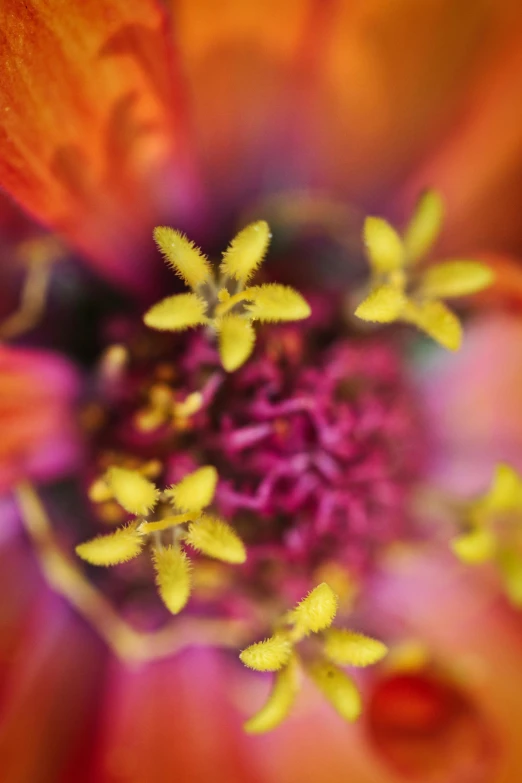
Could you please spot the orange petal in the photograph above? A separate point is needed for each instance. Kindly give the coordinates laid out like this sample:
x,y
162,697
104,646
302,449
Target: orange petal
x,y
239,64
86,122
390,77
478,164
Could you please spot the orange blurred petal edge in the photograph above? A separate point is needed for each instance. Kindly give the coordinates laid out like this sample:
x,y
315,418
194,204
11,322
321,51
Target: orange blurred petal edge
x,y
87,124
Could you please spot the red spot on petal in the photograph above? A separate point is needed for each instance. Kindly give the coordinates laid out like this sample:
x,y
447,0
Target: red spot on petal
x,y
422,724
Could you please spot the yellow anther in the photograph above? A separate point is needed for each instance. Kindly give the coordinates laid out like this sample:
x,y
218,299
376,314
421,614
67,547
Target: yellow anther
x,y
505,493
493,530
455,278
348,648
399,292
137,495
273,302
510,565
183,256
236,341
477,546
424,226
383,245
382,305
317,611
161,397
195,491
189,406
133,491
99,491
437,320
177,313
246,251
118,547
224,295
167,522
279,703
172,568
338,688
149,419
314,614
268,656
228,308
216,539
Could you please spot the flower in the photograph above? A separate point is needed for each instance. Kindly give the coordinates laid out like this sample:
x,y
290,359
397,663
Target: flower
x,y
393,261
189,497
313,438
229,313
313,614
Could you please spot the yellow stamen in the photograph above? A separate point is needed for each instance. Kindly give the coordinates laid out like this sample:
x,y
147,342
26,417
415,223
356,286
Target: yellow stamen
x,y
172,569
270,302
478,546
195,491
455,278
190,405
510,565
177,313
315,612
506,490
216,539
132,490
166,523
424,225
246,251
279,702
400,293
183,256
273,303
268,656
348,648
124,544
437,320
384,245
383,305
339,689
236,341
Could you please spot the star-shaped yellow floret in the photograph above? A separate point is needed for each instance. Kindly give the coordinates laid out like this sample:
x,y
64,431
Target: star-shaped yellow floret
x,y
188,525
224,302
492,530
400,291
340,647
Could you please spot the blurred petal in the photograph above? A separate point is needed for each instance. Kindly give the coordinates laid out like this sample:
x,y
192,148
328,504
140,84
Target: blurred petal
x,y
39,438
469,630
473,404
87,121
392,77
50,679
172,720
478,163
239,59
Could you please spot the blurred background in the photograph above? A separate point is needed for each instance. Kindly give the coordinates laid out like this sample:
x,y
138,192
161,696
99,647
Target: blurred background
x,y
116,117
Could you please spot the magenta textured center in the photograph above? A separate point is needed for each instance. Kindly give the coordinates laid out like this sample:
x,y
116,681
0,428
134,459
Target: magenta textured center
x,y
316,439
